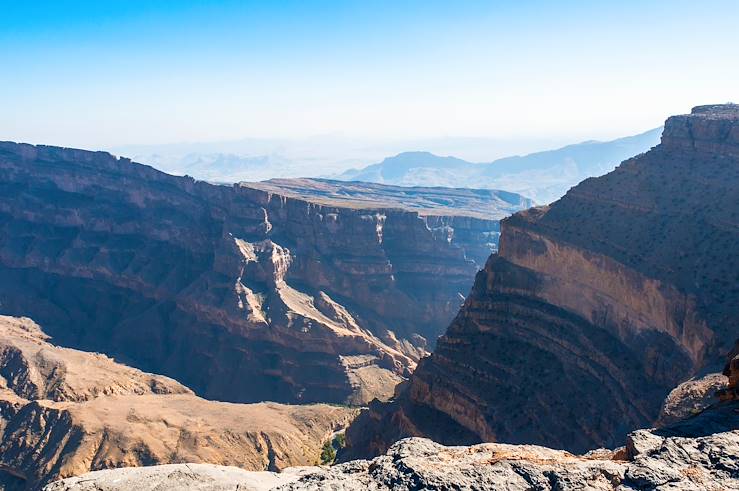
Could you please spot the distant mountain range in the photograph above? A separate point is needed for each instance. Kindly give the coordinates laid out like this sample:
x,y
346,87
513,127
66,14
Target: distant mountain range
x,y
542,176
255,159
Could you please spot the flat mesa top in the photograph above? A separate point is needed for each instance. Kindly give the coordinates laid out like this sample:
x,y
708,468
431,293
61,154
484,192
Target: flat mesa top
x,y
717,111
476,203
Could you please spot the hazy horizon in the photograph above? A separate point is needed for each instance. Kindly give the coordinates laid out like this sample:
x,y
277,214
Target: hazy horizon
x,y
103,75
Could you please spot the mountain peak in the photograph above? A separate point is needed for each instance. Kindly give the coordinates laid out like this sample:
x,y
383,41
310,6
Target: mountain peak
x,y
424,158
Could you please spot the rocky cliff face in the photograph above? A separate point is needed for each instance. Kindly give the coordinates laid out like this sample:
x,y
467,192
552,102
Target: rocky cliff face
x,y
65,412
241,293
594,309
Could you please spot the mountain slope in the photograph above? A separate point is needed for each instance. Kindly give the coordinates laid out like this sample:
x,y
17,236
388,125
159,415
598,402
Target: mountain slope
x,y
543,176
65,412
594,308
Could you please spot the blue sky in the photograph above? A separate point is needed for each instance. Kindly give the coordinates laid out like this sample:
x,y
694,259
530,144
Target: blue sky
x,y
105,73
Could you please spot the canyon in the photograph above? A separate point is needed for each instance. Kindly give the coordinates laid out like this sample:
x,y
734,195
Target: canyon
x,y
593,310
585,356
243,294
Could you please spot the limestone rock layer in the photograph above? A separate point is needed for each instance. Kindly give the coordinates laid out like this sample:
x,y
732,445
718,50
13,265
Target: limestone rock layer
x,y
593,310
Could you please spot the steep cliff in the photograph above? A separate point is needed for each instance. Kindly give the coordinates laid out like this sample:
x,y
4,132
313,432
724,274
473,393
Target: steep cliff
x,y
65,412
240,293
594,308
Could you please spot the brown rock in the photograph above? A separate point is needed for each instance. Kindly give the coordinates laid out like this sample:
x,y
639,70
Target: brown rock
x,y
731,370
706,462
65,412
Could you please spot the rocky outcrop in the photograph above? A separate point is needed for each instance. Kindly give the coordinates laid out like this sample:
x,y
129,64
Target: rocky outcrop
x,y
241,293
731,370
691,397
32,369
65,412
594,309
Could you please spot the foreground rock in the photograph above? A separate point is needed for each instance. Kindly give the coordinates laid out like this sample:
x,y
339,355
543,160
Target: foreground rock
x,y
593,311
65,412
243,294
651,461
175,477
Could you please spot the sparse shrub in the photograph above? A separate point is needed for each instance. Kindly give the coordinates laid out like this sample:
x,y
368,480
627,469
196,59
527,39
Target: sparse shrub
x,y
328,453
339,441
330,447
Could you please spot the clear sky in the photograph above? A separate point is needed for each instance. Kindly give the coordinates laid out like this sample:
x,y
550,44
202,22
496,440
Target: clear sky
x,y
107,72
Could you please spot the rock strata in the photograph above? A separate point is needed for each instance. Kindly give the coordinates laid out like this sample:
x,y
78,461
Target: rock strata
x,y
595,308
244,294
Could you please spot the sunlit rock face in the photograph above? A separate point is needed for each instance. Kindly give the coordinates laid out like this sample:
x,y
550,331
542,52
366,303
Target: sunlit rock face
x,y
65,412
594,308
243,294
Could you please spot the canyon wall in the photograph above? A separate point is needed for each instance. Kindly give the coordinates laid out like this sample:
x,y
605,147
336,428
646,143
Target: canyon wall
x,y
240,293
594,308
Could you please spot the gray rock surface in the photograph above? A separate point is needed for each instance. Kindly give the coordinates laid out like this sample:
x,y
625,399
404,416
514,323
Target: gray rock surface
x,y
653,460
201,477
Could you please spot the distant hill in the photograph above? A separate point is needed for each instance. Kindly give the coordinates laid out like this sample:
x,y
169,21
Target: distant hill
x,y
542,176
256,159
